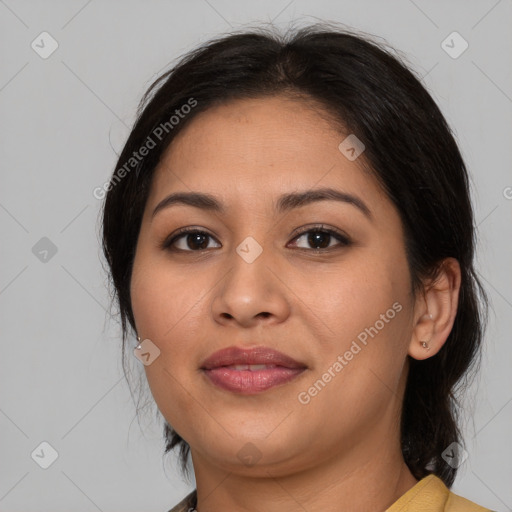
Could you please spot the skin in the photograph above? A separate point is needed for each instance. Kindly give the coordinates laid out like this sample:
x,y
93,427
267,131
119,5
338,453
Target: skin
x,y
341,448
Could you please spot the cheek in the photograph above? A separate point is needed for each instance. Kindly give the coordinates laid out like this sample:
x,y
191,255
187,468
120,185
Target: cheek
x,y
165,301
365,319
361,340
166,305
352,297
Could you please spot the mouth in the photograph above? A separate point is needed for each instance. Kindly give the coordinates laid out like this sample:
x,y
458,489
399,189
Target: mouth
x,y
250,371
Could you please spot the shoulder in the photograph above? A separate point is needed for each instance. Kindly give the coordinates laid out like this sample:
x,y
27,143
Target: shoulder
x,y
187,504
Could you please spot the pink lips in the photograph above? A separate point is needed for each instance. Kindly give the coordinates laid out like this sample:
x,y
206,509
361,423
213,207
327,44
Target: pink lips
x,y
241,371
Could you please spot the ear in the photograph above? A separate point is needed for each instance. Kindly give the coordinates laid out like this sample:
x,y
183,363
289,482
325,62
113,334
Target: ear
x,y
435,311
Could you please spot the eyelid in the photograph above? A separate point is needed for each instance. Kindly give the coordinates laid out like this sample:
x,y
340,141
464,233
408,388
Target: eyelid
x,y
320,227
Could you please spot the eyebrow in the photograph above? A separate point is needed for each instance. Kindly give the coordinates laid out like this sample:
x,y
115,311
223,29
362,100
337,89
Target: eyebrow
x,y
285,203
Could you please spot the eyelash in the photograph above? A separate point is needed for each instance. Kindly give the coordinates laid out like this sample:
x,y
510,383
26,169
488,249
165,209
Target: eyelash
x,y
342,238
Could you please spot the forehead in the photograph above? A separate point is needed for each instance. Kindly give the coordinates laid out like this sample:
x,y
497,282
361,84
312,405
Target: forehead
x,y
259,149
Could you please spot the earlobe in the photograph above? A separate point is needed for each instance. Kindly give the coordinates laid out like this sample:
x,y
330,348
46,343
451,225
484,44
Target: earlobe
x,y
424,344
436,310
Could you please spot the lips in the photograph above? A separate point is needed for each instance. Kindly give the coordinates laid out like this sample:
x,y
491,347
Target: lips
x,y
250,371
255,356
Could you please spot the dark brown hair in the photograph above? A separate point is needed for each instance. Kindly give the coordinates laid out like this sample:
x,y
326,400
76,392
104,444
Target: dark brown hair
x,y
410,150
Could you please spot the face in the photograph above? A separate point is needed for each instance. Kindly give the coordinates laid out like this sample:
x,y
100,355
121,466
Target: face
x,y
325,282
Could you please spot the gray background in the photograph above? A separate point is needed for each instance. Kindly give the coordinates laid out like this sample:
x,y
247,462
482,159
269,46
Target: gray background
x,y
63,119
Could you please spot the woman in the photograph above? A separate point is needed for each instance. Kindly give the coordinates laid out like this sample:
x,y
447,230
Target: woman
x,y
290,237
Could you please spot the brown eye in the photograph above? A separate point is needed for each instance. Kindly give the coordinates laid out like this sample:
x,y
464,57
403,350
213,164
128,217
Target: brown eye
x,y
191,240
321,238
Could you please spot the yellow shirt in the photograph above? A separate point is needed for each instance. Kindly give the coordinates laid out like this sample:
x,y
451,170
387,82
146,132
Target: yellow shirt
x,y
430,494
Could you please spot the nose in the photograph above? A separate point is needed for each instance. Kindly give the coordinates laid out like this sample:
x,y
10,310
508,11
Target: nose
x,y
251,293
